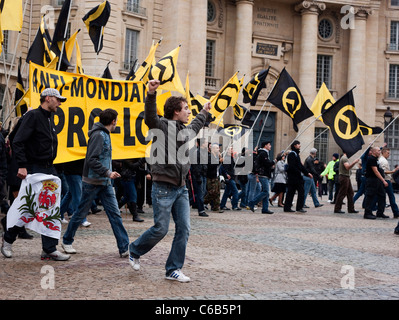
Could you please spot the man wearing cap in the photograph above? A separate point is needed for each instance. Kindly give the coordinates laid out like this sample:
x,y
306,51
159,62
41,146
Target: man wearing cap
x,y
35,148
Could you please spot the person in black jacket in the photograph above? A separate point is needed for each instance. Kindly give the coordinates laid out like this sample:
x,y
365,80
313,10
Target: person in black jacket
x,y
199,156
294,179
212,180
263,166
128,181
35,147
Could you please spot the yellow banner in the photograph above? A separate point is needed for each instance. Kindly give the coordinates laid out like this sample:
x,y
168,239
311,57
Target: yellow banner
x,y
86,97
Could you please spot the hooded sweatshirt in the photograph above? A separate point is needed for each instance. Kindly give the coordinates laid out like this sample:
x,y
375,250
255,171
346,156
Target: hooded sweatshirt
x,y
98,163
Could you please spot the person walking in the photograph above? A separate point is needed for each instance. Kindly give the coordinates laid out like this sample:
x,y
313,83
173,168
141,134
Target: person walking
x,y
294,179
169,192
198,170
264,168
280,180
375,186
35,148
128,182
227,170
345,185
309,184
96,182
212,196
384,164
330,173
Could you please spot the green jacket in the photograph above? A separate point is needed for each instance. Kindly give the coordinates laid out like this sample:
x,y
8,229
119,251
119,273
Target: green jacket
x,y
329,170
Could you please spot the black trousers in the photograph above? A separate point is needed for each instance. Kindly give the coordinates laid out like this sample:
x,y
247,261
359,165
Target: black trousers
x,y
49,245
374,188
292,187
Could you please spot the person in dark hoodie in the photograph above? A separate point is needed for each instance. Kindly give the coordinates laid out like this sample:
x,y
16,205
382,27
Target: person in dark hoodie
x,y
294,179
96,182
169,192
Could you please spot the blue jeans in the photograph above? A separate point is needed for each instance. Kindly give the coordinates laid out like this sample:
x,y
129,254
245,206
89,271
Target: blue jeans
x,y
309,185
263,195
129,191
253,187
231,188
166,199
107,196
243,195
72,199
391,197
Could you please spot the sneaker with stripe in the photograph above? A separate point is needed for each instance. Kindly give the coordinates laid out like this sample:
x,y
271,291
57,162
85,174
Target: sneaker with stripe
x,y
178,275
135,263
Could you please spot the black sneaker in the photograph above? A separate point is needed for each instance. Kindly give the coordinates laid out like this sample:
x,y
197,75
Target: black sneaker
x,y
203,214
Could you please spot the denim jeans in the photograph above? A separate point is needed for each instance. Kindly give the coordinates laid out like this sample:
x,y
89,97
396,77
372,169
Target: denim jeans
x,y
129,191
309,185
263,195
391,197
253,187
72,199
107,196
231,188
167,199
243,195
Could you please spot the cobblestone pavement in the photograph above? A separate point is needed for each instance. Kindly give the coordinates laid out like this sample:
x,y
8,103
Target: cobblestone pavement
x,y
235,255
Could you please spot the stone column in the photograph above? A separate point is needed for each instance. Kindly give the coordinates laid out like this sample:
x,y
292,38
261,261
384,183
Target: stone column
x,y
308,60
243,43
357,60
243,38
197,48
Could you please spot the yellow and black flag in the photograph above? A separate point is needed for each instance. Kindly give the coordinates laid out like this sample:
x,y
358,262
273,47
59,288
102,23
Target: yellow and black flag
x,y
60,34
20,103
95,21
165,70
344,125
367,130
287,97
40,52
234,132
253,88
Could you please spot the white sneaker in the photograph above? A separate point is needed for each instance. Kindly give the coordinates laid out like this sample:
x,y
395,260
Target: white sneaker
x,y
86,224
68,248
64,221
178,275
56,255
6,249
135,263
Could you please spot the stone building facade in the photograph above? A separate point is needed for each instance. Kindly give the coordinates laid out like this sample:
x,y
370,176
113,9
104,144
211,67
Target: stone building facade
x,y
344,43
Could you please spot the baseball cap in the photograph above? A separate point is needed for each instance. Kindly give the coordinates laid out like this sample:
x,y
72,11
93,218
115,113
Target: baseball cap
x,y
51,92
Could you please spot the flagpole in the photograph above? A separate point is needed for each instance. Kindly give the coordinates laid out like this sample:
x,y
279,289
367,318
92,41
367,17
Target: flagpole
x,y
98,48
315,139
371,143
301,133
264,124
65,34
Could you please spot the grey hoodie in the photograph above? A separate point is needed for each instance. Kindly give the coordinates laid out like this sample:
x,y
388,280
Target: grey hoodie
x,y
98,162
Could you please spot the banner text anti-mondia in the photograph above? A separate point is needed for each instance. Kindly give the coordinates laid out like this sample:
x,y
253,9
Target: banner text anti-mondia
x,y
102,89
